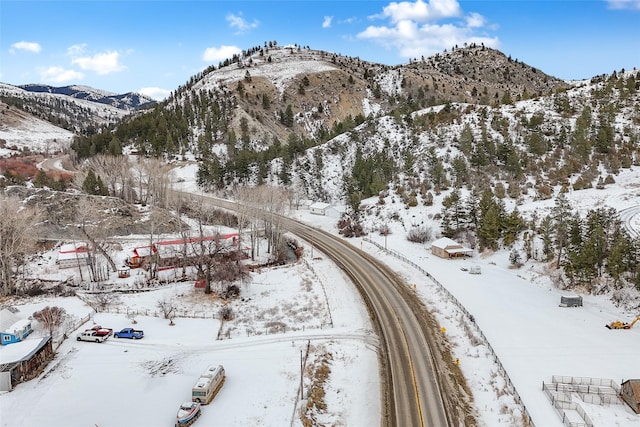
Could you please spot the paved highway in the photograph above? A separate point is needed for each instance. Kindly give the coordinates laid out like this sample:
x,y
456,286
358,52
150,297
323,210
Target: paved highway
x,y
420,385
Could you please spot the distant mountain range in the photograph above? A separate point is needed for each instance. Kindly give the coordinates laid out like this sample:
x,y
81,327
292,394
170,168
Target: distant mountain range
x,y
79,109
126,101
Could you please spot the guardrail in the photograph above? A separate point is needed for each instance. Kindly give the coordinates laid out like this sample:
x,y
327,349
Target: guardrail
x,y
485,341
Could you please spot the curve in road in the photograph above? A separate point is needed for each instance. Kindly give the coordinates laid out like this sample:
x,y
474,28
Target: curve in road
x,y
421,385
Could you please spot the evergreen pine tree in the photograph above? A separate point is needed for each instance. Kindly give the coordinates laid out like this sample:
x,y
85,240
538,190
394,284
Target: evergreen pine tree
x,y
90,183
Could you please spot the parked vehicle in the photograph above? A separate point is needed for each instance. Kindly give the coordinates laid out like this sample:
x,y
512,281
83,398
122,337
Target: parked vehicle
x,y
131,333
622,325
187,414
100,330
208,385
475,269
90,335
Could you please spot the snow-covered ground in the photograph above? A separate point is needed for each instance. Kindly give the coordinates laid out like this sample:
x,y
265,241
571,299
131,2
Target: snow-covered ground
x,y
123,382
33,133
517,310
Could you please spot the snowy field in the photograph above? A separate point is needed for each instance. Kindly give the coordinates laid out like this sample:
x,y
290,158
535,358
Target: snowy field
x,y
142,383
123,382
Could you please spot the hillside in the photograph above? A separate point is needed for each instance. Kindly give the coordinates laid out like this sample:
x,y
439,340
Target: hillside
x,y
271,95
470,133
21,131
573,138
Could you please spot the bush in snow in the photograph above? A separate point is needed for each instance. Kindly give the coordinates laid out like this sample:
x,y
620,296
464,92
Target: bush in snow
x,y
420,234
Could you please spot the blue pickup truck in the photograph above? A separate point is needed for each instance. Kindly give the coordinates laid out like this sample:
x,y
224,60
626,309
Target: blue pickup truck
x,y
131,333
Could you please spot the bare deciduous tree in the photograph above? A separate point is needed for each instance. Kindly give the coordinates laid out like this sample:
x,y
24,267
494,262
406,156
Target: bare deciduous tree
x,y
262,203
167,307
18,235
153,181
274,201
102,301
226,313
246,215
226,273
206,246
131,315
114,171
96,238
51,318
177,201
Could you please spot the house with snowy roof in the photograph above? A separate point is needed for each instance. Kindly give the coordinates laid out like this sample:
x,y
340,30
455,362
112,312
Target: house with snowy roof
x,y
319,208
13,328
327,209
445,247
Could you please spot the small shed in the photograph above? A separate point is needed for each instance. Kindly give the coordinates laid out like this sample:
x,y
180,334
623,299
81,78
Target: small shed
x,y
335,211
630,393
13,328
445,247
319,208
571,301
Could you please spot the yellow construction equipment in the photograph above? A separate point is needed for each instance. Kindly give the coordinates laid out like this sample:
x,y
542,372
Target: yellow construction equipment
x,y
620,325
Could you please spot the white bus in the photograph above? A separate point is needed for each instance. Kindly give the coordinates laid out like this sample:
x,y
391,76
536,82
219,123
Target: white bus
x,y
208,385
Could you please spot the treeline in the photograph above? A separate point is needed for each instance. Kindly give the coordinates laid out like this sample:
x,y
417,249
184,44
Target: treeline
x,y
593,250
167,129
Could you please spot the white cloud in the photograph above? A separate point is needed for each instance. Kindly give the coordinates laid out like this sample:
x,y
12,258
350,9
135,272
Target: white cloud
x,y
76,49
101,63
155,93
349,20
414,30
420,11
240,24
60,75
27,46
216,54
475,20
326,23
624,4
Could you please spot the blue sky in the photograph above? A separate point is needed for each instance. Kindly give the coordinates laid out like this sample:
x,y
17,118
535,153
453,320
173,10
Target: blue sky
x,y
153,47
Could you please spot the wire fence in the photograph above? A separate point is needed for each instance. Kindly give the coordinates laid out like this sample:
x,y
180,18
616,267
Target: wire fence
x,y
485,341
68,329
324,291
264,328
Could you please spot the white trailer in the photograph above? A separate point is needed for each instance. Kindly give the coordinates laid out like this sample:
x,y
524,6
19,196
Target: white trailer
x,y
208,385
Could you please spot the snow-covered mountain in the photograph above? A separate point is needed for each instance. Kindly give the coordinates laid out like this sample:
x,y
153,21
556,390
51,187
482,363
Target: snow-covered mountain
x,y
21,131
126,101
77,109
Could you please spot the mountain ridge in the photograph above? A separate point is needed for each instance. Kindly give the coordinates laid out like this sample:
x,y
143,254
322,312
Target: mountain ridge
x,y
125,101
471,134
